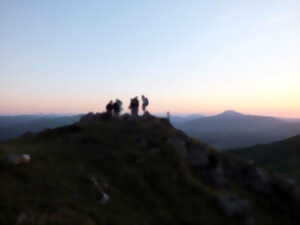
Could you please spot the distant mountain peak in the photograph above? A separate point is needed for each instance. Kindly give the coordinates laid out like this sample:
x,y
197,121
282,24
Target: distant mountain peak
x,y
231,113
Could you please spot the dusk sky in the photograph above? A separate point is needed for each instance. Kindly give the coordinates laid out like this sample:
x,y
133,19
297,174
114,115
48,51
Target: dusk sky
x,y
61,56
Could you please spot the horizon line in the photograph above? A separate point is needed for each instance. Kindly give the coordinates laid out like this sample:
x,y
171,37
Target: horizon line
x,y
155,113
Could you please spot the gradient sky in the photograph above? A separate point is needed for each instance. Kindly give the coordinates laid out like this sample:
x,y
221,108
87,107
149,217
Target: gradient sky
x,y
61,56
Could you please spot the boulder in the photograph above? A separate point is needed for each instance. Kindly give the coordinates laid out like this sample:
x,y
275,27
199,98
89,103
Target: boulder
x,y
15,159
257,179
233,206
104,198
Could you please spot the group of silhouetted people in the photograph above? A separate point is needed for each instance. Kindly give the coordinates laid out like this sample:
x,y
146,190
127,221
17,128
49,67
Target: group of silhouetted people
x,y
115,108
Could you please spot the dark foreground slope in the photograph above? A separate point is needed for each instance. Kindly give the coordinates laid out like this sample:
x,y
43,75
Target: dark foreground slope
x,y
282,156
153,173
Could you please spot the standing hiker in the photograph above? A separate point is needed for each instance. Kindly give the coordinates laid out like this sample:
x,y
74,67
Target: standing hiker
x,y
117,107
134,106
145,103
109,108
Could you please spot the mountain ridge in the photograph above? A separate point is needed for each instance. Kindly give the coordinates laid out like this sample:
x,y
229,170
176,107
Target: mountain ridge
x,y
152,173
231,129
14,126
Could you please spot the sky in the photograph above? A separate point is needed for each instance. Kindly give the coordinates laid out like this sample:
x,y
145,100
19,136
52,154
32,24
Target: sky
x,y
193,56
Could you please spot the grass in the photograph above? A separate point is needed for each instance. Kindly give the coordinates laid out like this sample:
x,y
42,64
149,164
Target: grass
x,y
282,157
146,187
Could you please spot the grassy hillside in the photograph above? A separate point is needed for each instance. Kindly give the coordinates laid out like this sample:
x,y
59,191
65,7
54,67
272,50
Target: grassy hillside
x,y
153,173
282,157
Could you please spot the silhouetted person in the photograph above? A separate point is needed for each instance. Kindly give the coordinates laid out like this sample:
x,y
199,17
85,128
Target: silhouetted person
x,y
134,106
117,107
109,108
145,103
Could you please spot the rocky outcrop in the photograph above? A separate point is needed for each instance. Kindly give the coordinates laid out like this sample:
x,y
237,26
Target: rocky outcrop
x,y
222,172
233,206
101,189
258,180
15,159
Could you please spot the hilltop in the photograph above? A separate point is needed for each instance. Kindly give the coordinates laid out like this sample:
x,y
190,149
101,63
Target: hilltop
x,y
135,171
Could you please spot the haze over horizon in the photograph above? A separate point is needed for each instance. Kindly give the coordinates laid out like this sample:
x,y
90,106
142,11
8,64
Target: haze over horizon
x,y
186,56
